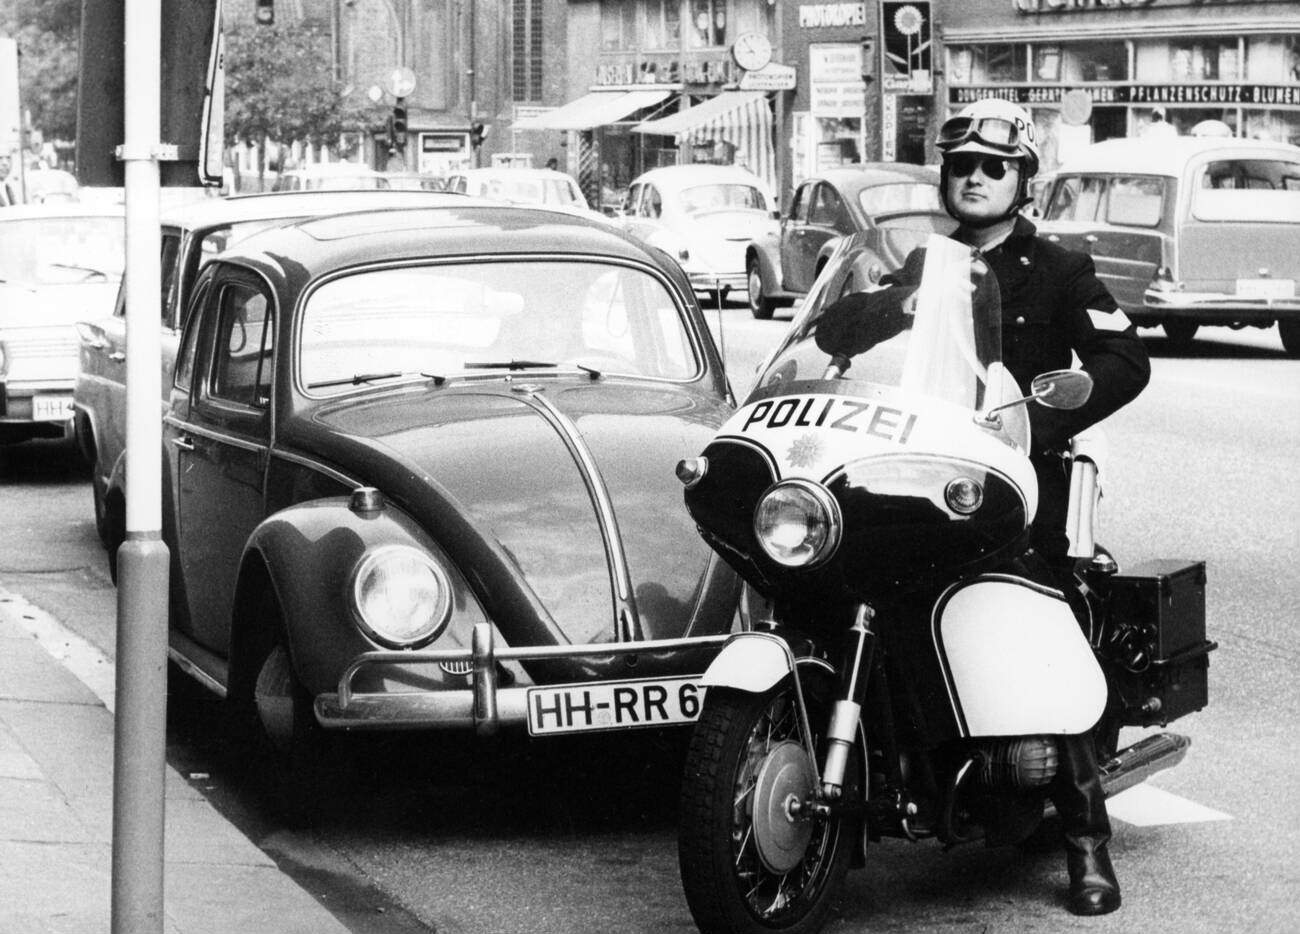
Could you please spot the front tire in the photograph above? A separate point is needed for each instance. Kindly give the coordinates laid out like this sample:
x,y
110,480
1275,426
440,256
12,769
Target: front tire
x,y
760,306
1180,332
1289,331
746,865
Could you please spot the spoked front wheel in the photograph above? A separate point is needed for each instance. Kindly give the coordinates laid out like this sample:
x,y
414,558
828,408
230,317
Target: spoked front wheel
x,y
752,858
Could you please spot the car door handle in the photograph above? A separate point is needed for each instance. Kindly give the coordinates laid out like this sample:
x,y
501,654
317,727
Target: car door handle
x,y
184,442
117,356
1090,239
97,343
1053,238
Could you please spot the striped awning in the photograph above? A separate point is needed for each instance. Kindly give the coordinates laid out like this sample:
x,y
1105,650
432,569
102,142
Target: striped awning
x,y
741,118
599,108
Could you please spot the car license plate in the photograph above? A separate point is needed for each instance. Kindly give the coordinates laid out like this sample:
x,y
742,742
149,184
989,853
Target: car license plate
x,y
51,408
1266,288
613,705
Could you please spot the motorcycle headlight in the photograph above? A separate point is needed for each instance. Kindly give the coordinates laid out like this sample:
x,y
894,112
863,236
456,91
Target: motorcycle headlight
x,y
401,597
797,523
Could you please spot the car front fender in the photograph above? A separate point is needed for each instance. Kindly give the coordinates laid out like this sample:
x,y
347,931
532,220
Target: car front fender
x,y
310,553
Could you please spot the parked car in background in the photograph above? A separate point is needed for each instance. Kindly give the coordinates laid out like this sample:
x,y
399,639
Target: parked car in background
x,y
191,235
546,188
330,176
421,476
1188,231
896,203
415,181
704,216
59,262
48,186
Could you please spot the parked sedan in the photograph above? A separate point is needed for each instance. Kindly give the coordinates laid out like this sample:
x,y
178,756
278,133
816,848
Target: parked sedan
x,y
192,233
58,263
703,216
896,203
1188,231
420,474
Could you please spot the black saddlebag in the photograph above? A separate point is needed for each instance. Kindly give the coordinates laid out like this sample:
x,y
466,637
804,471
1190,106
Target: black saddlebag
x,y
1156,641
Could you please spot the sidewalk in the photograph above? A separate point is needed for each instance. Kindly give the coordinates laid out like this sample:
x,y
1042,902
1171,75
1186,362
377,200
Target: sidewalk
x,y
56,808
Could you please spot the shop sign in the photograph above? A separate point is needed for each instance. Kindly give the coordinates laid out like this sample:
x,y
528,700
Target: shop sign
x,y
889,128
905,28
828,15
835,85
702,71
771,77
1031,7
1262,94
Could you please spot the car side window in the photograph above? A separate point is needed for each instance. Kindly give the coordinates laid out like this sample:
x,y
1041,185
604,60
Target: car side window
x,y
183,372
652,202
1136,201
799,207
241,366
1076,198
827,208
171,247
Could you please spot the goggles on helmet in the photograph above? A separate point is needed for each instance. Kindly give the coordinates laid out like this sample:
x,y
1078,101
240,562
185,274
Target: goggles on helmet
x,y
995,132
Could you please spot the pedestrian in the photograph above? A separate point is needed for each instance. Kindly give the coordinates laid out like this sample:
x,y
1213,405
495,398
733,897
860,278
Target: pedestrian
x,y
8,190
1159,127
1053,306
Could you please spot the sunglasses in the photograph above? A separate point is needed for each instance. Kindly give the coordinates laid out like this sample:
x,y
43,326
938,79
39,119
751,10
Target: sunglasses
x,y
964,164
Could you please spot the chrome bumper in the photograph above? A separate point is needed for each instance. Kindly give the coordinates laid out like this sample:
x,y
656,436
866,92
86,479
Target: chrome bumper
x,y
483,705
1227,304
713,282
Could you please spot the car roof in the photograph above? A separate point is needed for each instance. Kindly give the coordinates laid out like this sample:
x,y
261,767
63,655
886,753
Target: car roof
x,y
679,176
63,209
1138,156
468,228
294,204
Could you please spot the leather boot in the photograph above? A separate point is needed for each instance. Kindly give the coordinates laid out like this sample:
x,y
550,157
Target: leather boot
x,y
1076,791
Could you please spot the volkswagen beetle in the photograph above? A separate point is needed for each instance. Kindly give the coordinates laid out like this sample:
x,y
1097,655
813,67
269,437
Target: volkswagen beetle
x,y
418,474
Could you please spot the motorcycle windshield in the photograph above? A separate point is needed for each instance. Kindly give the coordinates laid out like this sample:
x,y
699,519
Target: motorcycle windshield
x,y
931,328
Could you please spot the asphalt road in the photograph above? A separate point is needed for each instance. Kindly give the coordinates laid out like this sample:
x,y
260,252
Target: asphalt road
x,y
578,837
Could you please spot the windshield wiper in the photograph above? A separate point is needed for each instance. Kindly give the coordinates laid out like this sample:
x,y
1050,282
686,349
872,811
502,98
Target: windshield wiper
x,y
360,378
528,365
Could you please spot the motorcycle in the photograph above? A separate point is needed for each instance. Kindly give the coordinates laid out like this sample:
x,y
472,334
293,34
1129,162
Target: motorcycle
x,y
903,670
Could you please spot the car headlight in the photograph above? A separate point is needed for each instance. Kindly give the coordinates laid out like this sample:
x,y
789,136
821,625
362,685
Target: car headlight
x,y
798,523
401,597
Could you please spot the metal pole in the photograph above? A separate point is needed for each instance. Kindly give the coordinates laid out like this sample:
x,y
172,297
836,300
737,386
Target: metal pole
x,y
140,747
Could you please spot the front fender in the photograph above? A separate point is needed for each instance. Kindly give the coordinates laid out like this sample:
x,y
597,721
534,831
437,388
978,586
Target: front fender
x,y
310,552
750,661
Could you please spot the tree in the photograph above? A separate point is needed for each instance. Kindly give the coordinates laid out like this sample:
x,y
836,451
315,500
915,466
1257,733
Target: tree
x,y
280,83
47,35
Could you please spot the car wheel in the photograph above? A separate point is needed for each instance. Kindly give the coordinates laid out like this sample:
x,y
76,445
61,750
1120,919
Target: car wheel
x,y
1180,332
760,306
101,509
115,529
1290,334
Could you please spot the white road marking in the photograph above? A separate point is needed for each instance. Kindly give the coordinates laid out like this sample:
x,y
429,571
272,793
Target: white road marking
x,y
1147,806
91,666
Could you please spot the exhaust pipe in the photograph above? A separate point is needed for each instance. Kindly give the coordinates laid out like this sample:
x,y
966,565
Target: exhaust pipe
x,y
1135,764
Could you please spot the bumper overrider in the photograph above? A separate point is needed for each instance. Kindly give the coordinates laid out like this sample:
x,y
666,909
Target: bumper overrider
x,y
483,705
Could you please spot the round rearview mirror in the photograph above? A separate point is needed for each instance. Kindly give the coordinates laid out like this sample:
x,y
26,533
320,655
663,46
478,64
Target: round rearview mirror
x,y
1062,389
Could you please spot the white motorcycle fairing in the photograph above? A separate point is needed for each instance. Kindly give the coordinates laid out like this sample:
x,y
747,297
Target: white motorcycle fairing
x,y
1014,659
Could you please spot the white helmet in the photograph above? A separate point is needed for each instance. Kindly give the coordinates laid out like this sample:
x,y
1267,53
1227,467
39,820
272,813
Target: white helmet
x,y
994,127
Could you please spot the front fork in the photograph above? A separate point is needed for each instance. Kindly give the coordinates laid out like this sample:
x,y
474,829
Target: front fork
x,y
842,732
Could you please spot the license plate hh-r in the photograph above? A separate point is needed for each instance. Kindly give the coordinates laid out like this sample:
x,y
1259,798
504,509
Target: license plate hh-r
x,y
613,705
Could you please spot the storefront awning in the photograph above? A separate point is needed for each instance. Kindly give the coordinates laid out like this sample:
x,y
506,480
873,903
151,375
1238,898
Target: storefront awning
x,y
741,118
599,108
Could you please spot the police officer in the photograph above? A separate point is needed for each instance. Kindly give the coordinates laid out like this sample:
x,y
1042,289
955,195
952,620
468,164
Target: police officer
x,y
1053,307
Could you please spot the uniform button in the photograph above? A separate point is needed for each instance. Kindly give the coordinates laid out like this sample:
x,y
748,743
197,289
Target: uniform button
x,y
1020,319
1024,261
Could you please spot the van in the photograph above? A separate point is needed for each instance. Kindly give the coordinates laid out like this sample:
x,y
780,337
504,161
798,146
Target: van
x,y
1187,231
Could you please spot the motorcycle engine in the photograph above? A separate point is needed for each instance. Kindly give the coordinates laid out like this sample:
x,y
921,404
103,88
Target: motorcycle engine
x,y
1020,763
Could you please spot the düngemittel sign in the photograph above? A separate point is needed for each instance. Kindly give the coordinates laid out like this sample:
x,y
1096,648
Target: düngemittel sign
x,y
1282,94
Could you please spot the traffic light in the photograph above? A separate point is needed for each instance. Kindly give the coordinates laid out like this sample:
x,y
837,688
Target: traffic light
x,y
264,14
476,133
399,122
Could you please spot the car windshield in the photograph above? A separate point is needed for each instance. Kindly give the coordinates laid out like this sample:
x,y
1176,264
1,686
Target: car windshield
x,y
904,198
931,327
62,250
1249,190
701,198
485,318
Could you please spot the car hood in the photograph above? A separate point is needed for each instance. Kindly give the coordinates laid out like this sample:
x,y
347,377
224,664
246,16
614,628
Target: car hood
x,y
493,472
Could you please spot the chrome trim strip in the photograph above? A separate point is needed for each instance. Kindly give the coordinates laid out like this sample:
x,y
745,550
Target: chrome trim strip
x,y
620,576
211,435
318,466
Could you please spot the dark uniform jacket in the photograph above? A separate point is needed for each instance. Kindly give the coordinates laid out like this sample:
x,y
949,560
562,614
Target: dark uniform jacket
x,y
1053,303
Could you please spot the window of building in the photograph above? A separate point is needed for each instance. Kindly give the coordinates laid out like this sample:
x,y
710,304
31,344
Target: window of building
x,y
980,64
1095,61
617,25
1203,60
663,24
707,24
526,44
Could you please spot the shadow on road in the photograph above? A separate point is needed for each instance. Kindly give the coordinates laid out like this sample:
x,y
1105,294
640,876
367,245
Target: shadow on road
x,y
42,461
1208,345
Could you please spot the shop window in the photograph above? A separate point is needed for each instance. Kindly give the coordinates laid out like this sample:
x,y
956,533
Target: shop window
x,y
1047,63
707,24
663,24
617,25
1211,60
1095,61
979,64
